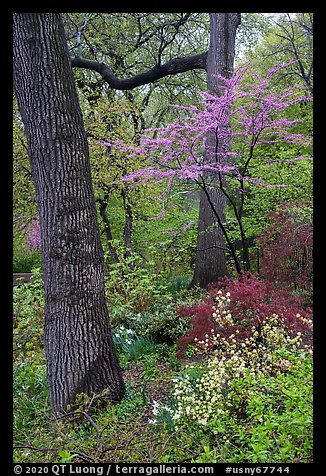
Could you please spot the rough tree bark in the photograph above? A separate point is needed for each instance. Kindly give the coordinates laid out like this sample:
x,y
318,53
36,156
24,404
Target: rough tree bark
x,y
80,355
174,66
210,263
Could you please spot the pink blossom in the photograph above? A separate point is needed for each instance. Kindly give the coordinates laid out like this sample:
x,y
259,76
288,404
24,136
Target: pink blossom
x,y
32,234
246,116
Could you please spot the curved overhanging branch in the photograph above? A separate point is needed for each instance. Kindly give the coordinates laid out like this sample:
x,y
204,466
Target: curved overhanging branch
x,y
174,66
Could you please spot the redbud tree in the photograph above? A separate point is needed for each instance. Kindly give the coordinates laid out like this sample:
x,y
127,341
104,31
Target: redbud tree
x,y
247,117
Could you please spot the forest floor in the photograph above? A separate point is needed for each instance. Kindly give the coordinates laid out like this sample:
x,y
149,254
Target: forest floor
x,y
270,419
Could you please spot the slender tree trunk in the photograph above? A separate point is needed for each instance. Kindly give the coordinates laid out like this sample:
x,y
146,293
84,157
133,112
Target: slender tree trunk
x,y
109,237
80,355
210,263
128,223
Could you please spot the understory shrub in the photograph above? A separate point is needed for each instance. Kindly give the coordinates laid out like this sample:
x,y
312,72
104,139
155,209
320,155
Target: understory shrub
x,y
162,324
254,395
242,305
286,248
133,285
26,262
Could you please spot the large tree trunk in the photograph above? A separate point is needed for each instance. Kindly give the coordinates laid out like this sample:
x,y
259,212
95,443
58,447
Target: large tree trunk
x,y
79,350
210,263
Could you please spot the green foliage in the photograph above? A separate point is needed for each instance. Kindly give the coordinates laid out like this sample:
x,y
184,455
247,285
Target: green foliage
x,y
133,38
123,118
140,347
28,300
29,379
178,283
161,324
66,456
289,39
267,44
173,361
133,285
279,410
30,394
253,28
26,262
133,403
150,371
24,199
261,413
132,348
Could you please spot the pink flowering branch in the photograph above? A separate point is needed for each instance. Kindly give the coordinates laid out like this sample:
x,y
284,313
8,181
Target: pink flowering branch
x,y
242,120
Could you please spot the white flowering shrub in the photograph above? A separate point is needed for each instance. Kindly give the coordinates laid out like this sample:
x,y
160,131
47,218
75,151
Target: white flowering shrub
x,y
248,390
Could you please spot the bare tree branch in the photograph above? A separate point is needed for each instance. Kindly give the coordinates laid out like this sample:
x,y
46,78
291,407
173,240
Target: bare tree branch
x,y
174,66
79,35
53,450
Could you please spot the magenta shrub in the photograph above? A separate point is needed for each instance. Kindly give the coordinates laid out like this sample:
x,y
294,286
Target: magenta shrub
x,y
252,300
286,248
201,323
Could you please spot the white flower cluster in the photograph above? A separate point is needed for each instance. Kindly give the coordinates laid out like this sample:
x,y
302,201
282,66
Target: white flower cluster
x,y
206,398
221,312
157,409
305,320
121,334
223,318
